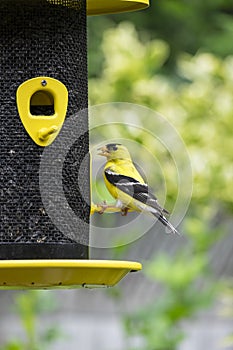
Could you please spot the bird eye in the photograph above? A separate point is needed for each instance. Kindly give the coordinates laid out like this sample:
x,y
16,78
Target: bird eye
x,y
114,148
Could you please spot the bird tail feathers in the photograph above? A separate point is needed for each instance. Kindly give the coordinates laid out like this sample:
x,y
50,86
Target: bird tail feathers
x,y
165,222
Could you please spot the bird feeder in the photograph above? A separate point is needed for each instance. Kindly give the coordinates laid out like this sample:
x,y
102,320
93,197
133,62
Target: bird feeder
x,y
43,83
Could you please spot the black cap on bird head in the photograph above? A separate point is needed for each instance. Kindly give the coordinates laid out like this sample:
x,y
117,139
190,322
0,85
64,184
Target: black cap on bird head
x,y
113,146
114,151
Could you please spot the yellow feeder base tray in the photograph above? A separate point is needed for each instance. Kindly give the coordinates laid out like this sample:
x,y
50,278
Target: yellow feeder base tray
x,y
53,274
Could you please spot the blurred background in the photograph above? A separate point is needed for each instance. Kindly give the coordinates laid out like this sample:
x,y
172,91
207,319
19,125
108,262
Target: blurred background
x,y
174,60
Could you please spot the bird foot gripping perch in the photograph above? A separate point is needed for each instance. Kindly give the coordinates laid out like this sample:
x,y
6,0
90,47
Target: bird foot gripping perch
x,y
101,208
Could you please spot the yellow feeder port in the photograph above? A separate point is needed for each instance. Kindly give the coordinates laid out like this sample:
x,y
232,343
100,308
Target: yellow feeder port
x,y
100,7
46,91
53,274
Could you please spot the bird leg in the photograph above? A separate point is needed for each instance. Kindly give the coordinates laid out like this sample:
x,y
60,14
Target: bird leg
x,y
124,211
109,208
104,207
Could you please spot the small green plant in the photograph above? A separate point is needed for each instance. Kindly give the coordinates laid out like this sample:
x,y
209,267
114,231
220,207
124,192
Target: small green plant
x,y
159,324
226,299
29,306
188,287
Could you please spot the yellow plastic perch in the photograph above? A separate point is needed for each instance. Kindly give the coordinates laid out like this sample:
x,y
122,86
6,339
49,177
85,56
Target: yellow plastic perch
x,y
51,274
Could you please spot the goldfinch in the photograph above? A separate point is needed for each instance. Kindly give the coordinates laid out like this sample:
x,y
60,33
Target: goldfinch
x,y
127,186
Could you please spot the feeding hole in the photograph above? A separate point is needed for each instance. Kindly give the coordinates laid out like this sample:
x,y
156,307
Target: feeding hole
x,y
42,103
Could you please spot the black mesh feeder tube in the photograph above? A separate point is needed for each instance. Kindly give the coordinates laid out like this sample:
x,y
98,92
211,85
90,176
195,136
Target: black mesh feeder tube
x,y
43,107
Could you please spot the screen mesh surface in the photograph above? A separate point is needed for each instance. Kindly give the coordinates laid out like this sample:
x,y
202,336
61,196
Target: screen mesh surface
x,y
41,38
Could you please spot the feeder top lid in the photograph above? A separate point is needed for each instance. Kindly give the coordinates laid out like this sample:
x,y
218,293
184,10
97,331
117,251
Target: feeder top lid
x,y
100,7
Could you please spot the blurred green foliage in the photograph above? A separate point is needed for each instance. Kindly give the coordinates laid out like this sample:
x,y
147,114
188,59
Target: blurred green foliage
x,y
175,58
200,105
187,286
186,25
30,306
182,296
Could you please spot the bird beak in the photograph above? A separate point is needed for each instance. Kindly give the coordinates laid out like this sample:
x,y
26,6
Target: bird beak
x,y
103,151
